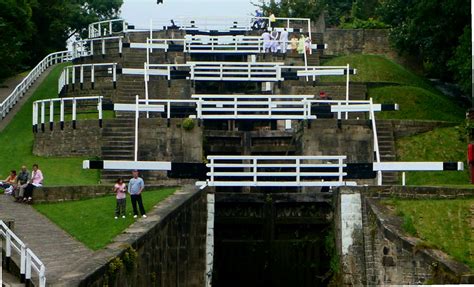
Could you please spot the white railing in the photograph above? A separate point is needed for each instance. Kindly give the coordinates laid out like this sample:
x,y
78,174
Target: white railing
x,y
85,48
291,171
107,28
23,87
68,75
235,71
377,158
47,109
28,260
268,107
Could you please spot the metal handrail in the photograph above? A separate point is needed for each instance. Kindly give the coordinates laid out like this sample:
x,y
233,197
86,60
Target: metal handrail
x,y
21,89
28,259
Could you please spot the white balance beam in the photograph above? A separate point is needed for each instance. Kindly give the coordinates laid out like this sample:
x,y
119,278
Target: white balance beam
x,y
418,166
126,165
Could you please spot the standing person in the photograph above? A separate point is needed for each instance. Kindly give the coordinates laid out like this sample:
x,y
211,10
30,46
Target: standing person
x,y
294,44
267,41
301,43
135,188
21,182
284,40
120,188
274,42
257,24
36,181
307,45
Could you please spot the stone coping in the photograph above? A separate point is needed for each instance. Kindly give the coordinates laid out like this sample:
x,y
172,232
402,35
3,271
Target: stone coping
x,y
391,227
135,235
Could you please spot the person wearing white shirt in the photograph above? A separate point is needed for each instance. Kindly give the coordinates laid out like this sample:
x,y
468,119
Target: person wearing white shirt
x,y
274,42
267,43
284,40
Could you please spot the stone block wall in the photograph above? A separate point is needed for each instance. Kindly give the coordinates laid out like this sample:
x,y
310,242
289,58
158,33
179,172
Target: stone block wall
x,y
169,246
354,139
85,140
357,41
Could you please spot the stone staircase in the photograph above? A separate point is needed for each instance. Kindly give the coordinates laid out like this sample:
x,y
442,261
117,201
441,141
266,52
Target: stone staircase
x,y
117,144
387,149
128,87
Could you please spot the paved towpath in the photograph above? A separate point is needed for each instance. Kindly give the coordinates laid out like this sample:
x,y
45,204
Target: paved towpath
x,y
55,248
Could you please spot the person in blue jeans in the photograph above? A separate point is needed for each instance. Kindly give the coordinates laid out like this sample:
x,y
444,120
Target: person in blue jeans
x,y
135,188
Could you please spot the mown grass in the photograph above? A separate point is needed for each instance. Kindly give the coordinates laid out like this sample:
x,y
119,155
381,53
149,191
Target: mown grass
x,y
17,144
416,104
92,221
444,224
443,144
375,68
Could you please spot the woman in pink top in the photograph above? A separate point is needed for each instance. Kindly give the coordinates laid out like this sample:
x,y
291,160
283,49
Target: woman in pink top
x,y
121,191
35,181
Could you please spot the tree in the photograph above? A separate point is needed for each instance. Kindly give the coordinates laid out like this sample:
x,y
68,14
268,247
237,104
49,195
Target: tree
x,y
31,29
460,64
429,29
293,8
16,29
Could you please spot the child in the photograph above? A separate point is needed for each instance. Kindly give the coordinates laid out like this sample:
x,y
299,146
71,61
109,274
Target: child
x,y
9,184
120,190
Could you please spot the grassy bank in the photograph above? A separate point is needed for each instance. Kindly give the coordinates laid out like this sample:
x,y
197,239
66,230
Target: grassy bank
x,y
441,224
92,221
17,144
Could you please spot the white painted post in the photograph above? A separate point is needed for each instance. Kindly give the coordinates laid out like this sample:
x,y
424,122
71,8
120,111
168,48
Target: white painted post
x,y
298,170
403,178
137,115
81,76
28,266
22,260
103,47
145,73
210,238
347,90
92,76
43,112
120,45
212,170
74,106
99,108
341,170
8,244
51,114
110,28
255,171
168,109
61,114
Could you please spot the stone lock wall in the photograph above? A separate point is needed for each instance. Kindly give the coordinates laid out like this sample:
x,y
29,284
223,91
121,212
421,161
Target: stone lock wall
x,y
357,41
85,140
168,249
354,139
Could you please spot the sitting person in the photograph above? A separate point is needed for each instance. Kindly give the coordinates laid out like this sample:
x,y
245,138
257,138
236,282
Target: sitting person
x,y
36,181
9,183
21,182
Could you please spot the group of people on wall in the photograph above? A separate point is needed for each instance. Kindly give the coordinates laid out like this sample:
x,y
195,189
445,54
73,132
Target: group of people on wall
x,y
21,185
279,42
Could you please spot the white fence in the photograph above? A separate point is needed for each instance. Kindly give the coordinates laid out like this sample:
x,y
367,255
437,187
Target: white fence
x,y
107,28
23,87
68,75
47,108
85,48
290,171
233,24
28,260
268,107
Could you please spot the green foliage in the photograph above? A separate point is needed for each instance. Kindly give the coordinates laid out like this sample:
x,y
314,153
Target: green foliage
x,y
188,124
459,65
17,144
31,29
364,9
293,8
429,29
129,259
370,23
408,225
114,266
92,222
442,223
337,10
443,144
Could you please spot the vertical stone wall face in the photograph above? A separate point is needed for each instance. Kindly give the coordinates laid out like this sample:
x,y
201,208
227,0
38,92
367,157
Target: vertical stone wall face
x,y
85,140
357,41
353,139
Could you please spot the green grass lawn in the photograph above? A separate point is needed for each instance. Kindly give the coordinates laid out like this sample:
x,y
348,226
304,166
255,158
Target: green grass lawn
x,y
17,144
443,144
444,224
91,221
416,103
375,68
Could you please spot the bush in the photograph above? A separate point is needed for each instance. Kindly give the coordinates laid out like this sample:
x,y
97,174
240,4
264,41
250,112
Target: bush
x,y
188,124
356,23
